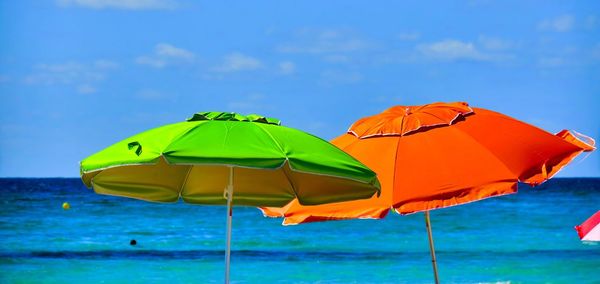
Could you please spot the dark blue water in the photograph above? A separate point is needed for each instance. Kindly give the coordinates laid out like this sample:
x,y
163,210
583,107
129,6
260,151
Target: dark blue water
x,y
522,238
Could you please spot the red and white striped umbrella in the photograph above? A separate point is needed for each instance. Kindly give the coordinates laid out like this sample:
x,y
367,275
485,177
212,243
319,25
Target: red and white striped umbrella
x,y
590,229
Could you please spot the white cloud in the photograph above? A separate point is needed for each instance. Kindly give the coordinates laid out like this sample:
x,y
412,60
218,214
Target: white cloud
x,y
409,36
287,67
151,61
323,41
64,73
596,52
86,89
167,50
250,104
121,4
105,64
336,58
552,62
4,79
83,76
239,62
451,50
591,22
494,43
166,54
562,23
150,95
334,77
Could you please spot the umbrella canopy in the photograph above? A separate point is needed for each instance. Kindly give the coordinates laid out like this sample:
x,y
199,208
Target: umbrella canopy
x,y
439,155
590,229
225,158
273,164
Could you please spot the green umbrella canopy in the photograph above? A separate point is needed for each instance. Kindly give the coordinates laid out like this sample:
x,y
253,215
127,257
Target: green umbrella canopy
x,y
271,164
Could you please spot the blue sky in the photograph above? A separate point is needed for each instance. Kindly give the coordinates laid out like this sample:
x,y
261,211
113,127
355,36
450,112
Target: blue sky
x,y
79,75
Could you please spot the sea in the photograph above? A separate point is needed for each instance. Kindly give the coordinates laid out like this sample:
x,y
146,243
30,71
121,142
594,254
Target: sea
x,y
527,237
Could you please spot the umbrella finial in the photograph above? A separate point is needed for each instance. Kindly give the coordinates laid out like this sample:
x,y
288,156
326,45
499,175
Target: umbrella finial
x,y
232,116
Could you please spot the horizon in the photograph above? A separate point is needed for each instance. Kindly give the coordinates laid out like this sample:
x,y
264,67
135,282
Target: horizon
x,y
79,75
553,178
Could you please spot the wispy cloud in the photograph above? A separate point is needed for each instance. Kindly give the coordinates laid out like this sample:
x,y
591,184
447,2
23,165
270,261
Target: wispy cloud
x,y
287,67
570,56
452,50
412,36
591,22
596,52
167,50
166,54
105,64
86,89
250,104
151,95
323,41
552,62
336,58
81,75
4,79
494,43
337,77
121,4
151,61
563,23
236,62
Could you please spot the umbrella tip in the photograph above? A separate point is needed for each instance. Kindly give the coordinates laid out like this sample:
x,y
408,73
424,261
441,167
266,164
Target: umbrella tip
x,y
232,116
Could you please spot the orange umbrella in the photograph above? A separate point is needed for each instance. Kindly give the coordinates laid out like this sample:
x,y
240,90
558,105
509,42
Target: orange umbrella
x,y
439,155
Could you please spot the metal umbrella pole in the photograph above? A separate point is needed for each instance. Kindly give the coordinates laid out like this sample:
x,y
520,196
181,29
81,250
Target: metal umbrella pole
x,y
229,195
431,248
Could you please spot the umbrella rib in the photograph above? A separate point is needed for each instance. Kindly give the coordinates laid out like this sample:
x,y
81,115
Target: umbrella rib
x,y
162,154
395,165
284,162
487,150
185,180
272,138
289,178
198,124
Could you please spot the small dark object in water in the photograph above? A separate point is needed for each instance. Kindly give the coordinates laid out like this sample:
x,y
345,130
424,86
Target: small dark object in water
x,y
133,242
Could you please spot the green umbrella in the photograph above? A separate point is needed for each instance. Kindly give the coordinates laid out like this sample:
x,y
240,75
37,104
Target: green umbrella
x,y
203,159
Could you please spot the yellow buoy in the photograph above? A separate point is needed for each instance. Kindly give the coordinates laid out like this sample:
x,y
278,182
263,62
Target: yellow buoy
x,y
66,206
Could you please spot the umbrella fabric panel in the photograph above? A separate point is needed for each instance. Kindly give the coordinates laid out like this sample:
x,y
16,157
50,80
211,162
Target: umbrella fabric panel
x,y
402,120
226,143
142,148
590,229
533,154
443,167
205,184
160,182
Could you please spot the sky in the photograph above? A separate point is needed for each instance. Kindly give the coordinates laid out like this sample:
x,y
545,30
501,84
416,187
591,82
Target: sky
x,y
79,75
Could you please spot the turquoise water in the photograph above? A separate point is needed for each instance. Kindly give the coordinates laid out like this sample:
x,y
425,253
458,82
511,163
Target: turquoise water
x,y
522,238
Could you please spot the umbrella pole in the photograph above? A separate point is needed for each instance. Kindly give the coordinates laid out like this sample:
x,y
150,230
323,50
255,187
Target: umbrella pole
x,y
229,194
431,248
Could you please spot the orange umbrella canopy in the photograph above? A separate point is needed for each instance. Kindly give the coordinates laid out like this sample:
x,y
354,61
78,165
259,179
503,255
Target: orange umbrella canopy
x,y
439,155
